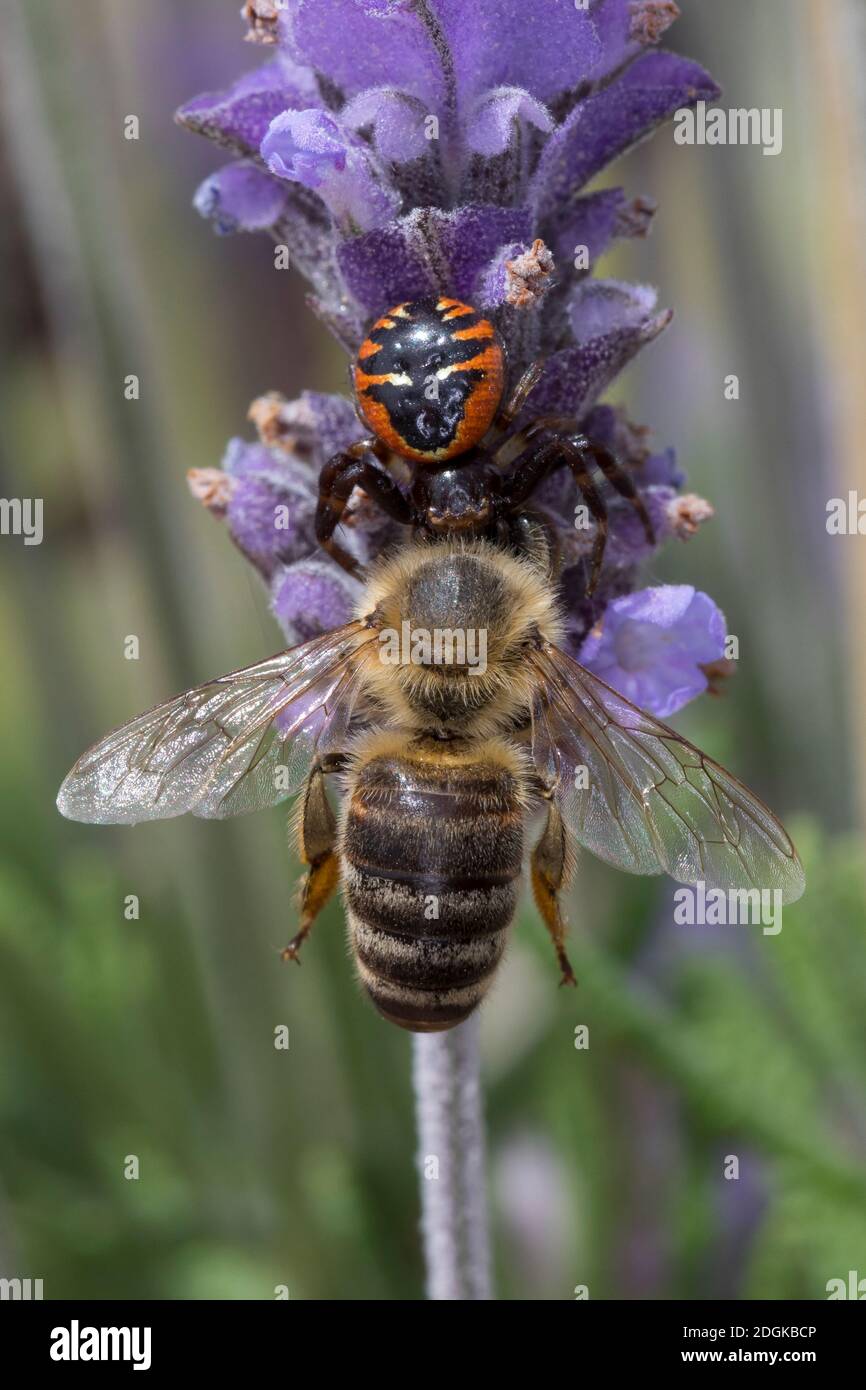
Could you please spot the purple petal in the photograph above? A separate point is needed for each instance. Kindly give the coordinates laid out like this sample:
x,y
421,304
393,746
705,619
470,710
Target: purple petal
x,y
490,126
270,517
627,26
448,51
239,116
365,43
627,542
591,222
608,123
494,283
271,504
311,148
383,267
335,421
397,120
575,377
305,147
429,252
312,596
597,219
470,237
242,459
650,646
240,198
598,308
541,46
662,470
612,20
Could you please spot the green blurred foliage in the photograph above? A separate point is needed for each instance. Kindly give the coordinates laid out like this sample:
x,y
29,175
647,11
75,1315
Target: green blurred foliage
x,y
114,1046
154,1037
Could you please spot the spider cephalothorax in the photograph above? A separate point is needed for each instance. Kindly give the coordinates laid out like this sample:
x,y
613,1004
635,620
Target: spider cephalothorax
x,y
430,382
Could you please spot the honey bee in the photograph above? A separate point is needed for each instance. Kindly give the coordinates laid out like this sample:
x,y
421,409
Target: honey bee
x,y
440,759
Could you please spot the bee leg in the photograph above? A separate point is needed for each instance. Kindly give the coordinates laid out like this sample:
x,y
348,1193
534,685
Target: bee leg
x,y
590,451
550,871
317,834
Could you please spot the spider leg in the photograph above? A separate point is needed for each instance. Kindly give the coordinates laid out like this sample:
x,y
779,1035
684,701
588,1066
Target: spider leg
x,y
616,474
337,480
538,465
509,412
619,478
509,450
576,460
530,472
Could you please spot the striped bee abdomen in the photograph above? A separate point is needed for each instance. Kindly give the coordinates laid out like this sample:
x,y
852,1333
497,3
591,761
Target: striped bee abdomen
x,y
432,847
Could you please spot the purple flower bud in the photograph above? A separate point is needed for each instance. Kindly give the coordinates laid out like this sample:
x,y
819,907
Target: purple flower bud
x,y
240,198
238,118
311,597
590,224
611,323
271,506
311,428
602,307
271,521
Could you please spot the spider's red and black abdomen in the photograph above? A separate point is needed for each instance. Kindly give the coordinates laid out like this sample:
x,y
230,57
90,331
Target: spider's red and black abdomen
x,y
429,378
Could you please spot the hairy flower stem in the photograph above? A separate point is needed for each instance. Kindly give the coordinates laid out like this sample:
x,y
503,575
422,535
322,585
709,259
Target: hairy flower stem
x,y
447,1080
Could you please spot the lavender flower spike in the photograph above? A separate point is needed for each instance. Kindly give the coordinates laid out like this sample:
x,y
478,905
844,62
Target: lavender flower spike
x,y
407,148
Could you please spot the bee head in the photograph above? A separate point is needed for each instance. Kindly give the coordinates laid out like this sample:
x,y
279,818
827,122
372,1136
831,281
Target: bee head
x,y
454,624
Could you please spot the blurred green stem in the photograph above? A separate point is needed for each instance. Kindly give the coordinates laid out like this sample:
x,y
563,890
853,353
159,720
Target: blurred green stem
x,y
447,1079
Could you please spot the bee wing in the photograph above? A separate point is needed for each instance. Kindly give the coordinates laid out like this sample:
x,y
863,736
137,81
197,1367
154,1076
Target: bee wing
x,y
650,800
236,744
